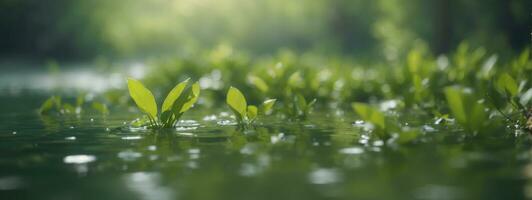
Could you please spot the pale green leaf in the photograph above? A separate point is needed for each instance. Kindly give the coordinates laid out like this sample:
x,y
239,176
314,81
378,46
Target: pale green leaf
x,y
142,97
507,84
48,104
370,114
301,102
173,95
192,98
236,101
267,106
100,107
455,102
252,112
295,80
258,83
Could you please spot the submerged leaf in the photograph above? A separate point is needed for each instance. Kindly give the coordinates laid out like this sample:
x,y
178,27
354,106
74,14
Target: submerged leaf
x,y
142,97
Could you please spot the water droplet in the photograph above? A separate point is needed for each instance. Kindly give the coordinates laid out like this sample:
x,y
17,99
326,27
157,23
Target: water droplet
x,y
186,134
324,176
136,137
352,150
79,159
129,155
70,138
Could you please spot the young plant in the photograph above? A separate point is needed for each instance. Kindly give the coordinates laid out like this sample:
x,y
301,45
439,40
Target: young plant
x,y
467,110
300,108
374,116
384,127
246,114
505,94
55,104
180,99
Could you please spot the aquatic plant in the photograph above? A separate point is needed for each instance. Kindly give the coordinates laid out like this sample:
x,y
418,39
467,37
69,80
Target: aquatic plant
x,y
57,105
299,108
246,114
468,110
180,99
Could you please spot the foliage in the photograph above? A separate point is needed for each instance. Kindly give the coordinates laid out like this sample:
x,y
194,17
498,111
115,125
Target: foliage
x,y
55,104
246,114
180,99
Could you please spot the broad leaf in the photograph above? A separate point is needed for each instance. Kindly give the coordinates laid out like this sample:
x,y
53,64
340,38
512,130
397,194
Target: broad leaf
x,y
100,107
267,106
258,83
142,97
173,95
370,114
252,112
301,102
192,98
456,104
506,83
236,101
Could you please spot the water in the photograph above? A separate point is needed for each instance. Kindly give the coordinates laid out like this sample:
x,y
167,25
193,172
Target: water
x,y
327,157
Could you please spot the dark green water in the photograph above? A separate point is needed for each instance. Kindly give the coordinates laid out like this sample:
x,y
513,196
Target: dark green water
x,y
326,157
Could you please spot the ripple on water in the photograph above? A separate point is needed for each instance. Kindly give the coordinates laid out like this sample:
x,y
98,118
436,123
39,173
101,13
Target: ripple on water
x,y
129,155
11,183
324,176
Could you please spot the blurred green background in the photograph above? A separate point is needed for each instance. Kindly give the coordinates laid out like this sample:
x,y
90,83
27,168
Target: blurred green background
x,y
85,29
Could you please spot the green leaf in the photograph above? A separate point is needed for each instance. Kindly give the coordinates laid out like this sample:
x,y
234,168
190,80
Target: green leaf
x,y
301,102
68,108
258,83
252,112
142,97
80,99
311,104
295,80
173,95
192,98
370,114
455,102
49,104
100,107
507,84
267,106
237,102
407,136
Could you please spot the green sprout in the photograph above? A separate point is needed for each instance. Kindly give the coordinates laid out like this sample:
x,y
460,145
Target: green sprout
x,y
180,99
246,114
300,108
55,104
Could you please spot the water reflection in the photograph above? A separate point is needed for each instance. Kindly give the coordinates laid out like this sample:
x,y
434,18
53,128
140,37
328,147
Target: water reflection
x,y
324,158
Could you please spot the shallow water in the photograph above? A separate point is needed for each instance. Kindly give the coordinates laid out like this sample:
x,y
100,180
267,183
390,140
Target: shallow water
x,y
326,157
